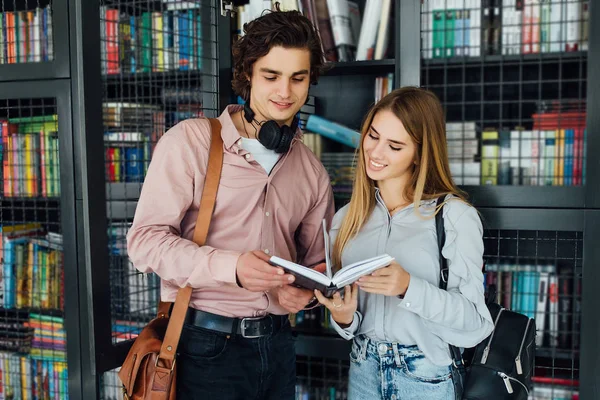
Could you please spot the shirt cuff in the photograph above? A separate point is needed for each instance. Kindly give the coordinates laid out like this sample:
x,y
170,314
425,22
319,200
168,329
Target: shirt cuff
x,y
224,266
413,296
347,333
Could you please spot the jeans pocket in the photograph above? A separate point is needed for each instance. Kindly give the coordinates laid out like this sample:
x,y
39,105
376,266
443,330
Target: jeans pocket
x,y
201,344
417,366
356,352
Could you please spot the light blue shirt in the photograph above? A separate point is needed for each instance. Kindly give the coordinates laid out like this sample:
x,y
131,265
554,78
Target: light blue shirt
x,y
427,316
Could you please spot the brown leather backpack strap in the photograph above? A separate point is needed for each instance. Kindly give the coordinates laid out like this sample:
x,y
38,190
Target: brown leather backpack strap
x,y
207,203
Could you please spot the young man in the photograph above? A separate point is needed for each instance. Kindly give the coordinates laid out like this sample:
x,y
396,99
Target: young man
x,y
237,340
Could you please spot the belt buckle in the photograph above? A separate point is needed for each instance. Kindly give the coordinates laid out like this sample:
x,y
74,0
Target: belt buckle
x,y
243,327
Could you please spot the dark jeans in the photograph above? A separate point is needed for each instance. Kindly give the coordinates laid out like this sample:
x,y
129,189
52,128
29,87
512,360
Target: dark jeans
x,y
212,366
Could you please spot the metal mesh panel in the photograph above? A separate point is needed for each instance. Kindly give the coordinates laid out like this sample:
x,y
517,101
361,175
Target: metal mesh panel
x,y
538,273
321,378
26,31
32,333
512,78
159,67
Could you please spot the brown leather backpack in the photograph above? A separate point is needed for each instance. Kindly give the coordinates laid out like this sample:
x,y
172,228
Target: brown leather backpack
x,y
148,372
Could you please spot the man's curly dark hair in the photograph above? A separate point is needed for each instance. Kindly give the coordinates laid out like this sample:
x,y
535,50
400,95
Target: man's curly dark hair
x,y
288,29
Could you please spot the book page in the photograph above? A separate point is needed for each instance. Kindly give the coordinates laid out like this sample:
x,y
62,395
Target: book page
x,y
352,272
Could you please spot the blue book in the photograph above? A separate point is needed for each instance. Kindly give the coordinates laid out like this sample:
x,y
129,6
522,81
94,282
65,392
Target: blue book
x,y
333,131
184,36
134,164
569,150
133,43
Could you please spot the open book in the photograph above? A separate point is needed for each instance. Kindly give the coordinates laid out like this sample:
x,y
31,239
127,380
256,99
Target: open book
x,y
327,283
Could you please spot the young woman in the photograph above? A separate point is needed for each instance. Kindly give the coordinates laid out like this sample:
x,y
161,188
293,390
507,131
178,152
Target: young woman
x,y
401,322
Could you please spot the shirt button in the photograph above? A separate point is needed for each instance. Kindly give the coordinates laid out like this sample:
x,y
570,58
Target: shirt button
x,y
247,156
267,251
393,397
407,304
267,213
382,348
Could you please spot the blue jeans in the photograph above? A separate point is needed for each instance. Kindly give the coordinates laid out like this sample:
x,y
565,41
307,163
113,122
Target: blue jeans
x,y
390,371
212,366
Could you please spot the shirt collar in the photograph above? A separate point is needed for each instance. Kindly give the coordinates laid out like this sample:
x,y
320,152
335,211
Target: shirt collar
x,y
426,202
229,131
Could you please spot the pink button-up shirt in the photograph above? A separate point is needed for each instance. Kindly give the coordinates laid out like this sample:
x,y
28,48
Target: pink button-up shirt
x,y
279,213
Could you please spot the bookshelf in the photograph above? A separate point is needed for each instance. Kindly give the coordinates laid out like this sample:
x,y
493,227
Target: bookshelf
x,y
106,301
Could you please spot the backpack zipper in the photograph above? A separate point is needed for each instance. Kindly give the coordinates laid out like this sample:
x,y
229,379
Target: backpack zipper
x,y
518,359
486,350
508,385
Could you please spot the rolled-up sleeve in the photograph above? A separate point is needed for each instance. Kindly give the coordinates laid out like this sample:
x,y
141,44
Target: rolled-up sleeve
x,y
154,241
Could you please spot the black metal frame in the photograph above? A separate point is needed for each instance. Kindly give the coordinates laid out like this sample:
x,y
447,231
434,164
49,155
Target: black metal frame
x,y
60,90
59,66
91,205
590,359
592,197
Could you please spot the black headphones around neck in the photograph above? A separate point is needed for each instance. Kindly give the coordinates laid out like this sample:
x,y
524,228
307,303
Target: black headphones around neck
x,y
271,135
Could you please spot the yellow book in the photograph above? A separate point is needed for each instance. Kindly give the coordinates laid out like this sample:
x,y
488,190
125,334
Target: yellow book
x,y
561,158
489,157
158,36
28,164
117,162
30,286
25,379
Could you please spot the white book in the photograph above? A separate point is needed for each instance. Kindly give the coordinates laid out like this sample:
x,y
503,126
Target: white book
x,y
556,26
330,283
573,26
368,31
382,34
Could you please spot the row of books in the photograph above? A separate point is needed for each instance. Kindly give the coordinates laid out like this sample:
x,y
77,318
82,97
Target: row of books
x,y
32,267
153,41
536,158
471,28
538,291
26,36
345,34
49,337
30,162
127,161
123,330
24,377
383,85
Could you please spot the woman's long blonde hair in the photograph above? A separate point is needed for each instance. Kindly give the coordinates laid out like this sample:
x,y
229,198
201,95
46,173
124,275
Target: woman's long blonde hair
x,y
423,118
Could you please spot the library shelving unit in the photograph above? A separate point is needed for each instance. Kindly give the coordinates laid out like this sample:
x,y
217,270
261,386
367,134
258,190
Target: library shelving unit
x,y
39,308
89,87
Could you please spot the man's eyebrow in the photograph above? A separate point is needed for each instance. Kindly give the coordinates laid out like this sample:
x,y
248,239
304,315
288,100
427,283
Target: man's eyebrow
x,y
274,72
389,140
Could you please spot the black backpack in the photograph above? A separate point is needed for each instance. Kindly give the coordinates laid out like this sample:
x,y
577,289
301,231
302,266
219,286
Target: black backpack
x,y
501,366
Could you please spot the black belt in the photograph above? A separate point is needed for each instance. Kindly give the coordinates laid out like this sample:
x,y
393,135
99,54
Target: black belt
x,y
246,327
